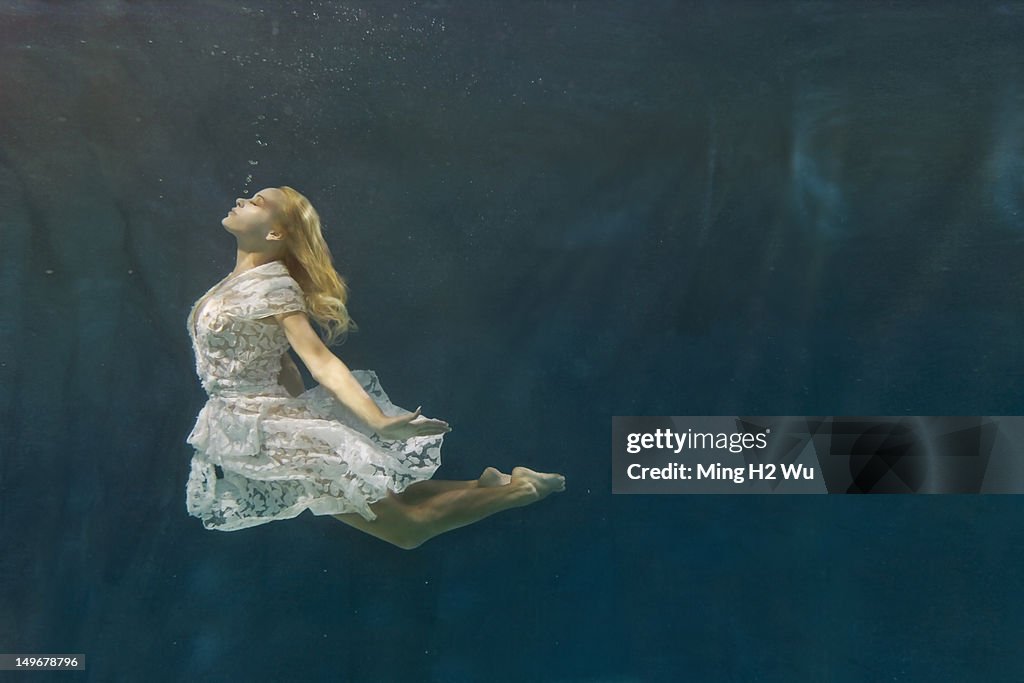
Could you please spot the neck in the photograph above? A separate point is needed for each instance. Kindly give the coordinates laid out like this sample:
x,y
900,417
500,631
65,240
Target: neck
x,y
246,260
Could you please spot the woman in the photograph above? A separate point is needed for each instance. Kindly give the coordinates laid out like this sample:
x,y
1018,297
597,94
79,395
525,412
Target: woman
x,y
264,452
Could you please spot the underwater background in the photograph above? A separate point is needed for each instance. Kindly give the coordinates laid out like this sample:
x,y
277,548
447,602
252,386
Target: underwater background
x,y
549,213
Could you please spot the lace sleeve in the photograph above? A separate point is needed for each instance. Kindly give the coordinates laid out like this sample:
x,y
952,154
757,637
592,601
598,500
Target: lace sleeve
x,y
280,294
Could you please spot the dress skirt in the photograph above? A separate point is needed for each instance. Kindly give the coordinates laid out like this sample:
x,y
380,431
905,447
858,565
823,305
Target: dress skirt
x,y
268,456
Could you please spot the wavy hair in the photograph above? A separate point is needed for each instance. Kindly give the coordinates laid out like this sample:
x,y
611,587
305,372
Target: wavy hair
x,y
309,261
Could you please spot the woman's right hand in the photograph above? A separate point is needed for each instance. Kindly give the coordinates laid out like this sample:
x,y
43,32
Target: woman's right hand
x,y
402,427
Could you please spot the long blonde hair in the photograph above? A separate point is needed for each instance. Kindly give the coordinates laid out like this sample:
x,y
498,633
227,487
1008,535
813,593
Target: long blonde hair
x,y
309,261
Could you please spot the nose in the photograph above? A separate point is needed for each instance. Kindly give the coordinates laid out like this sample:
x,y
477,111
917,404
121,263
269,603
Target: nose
x,y
238,202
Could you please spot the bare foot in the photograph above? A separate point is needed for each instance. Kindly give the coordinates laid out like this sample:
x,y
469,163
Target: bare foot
x,y
543,482
493,477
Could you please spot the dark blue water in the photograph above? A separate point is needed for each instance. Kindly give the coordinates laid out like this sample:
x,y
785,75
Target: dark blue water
x,y
549,213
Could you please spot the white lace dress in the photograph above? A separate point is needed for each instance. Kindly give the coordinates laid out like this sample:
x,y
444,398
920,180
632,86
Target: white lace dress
x,y
262,455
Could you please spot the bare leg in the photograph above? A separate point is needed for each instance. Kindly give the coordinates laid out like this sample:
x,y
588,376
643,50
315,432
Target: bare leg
x,y
421,490
410,524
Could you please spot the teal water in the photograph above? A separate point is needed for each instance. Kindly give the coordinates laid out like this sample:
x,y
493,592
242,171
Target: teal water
x,y
549,213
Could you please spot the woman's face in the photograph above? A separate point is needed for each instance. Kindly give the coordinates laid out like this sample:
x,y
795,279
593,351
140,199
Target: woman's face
x,y
256,217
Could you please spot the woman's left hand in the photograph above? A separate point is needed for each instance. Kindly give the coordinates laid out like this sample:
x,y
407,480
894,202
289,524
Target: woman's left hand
x,y
412,424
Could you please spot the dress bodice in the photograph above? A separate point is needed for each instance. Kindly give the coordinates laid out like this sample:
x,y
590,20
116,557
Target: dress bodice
x,y
237,343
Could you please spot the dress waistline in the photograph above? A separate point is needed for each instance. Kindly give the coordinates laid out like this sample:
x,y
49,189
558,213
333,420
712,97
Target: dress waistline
x,y
248,392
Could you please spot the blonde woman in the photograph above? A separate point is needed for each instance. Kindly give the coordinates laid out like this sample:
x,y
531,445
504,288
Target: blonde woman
x,y
266,448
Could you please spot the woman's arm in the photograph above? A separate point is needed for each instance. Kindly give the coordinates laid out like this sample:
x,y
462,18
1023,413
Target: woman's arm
x,y
328,370
290,377
333,375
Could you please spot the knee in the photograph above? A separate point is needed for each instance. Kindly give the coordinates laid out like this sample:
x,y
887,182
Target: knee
x,y
408,543
415,530
409,539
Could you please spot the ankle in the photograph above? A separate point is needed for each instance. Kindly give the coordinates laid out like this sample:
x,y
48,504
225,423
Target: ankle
x,y
524,489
